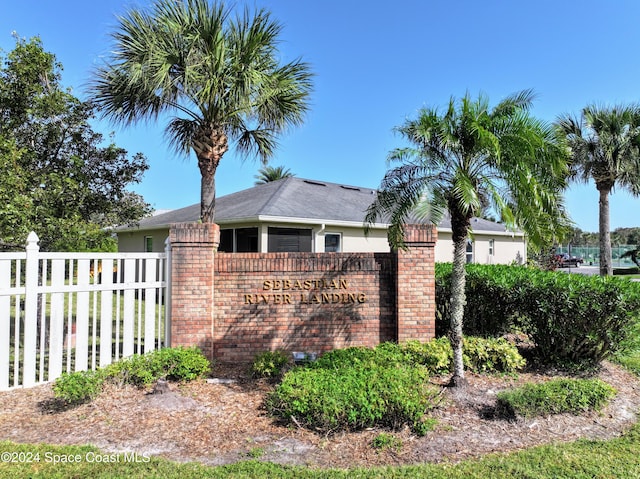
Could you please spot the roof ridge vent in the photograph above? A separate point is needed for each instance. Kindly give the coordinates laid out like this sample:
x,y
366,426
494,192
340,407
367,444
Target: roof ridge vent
x,y
352,188
314,183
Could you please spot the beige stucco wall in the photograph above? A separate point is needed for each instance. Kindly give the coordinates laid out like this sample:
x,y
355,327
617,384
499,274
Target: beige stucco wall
x,y
354,241
507,248
134,241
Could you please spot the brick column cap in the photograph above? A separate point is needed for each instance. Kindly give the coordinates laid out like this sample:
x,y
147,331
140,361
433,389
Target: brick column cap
x,y
420,234
203,234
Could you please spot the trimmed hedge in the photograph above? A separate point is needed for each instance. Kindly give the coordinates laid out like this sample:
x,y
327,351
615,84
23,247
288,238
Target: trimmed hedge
x,y
570,317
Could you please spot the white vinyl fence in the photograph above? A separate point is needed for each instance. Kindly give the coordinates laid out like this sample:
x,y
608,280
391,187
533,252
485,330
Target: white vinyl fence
x,y
77,311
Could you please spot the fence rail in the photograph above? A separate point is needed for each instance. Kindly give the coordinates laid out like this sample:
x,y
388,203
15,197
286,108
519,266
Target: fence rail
x,y
591,254
77,311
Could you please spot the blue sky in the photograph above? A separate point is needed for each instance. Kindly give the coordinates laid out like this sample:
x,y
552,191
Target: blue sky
x,y
376,63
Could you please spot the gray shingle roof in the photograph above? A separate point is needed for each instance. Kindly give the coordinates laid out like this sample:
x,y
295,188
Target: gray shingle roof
x,y
295,199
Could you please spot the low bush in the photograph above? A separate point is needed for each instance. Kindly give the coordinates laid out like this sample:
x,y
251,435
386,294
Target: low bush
x,y
353,398
176,364
384,354
490,355
486,355
573,396
626,271
78,387
436,355
269,364
482,355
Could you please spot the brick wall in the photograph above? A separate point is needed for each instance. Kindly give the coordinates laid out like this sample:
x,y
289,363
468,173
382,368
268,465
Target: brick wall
x,y
310,302
301,302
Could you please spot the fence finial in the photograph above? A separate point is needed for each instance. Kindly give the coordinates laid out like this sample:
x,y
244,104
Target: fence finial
x,y
32,240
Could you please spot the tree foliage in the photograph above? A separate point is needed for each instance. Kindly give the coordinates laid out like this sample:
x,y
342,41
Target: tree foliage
x,y
58,179
267,174
219,74
605,148
464,157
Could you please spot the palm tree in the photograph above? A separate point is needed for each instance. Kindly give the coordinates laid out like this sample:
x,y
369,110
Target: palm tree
x,y
461,158
267,174
604,145
218,74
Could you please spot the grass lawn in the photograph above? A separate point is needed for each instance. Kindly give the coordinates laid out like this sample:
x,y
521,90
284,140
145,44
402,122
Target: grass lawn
x,y
617,458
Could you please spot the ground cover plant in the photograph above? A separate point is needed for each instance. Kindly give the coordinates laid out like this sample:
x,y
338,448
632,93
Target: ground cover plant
x,y
177,364
569,395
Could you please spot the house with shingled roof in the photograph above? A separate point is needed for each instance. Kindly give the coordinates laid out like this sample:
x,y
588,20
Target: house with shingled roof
x,y
295,214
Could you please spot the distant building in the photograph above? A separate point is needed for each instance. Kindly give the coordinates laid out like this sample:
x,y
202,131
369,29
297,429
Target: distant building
x,y
294,214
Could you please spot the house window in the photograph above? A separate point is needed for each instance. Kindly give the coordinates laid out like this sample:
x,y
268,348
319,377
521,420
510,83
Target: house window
x,y
469,251
247,240
226,241
332,243
239,240
148,244
491,247
289,240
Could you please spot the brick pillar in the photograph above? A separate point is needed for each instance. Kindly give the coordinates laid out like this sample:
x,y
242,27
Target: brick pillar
x,y
415,284
193,247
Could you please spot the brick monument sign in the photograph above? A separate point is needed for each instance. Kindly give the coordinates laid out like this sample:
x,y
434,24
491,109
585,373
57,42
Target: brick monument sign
x,y
235,305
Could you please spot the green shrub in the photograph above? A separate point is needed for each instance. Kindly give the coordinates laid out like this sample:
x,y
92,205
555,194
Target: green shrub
x,y
557,310
573,396
383,354
482,355
492,296
269,364
488,355
175,364
578,318
78,387
436,355
626,271
353,398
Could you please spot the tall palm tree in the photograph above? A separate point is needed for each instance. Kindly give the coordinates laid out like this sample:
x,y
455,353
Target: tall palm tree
x,y
604,145
267,174
461,158
218,74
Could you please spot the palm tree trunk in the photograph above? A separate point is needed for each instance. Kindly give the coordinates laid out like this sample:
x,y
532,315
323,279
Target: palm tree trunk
x,y
210,145
208,196
606,268
460,227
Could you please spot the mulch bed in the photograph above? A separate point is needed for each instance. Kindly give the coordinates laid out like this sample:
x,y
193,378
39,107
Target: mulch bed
x,y
224,422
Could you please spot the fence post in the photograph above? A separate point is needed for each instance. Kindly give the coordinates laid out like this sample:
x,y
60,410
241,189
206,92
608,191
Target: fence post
x,y
167,306
30,310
